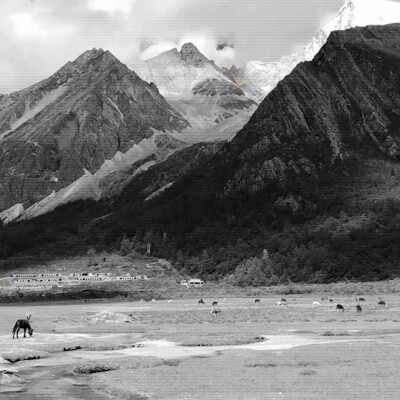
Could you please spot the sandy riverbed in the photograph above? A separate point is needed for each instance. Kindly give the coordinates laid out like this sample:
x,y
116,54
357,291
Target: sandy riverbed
x,y
177,350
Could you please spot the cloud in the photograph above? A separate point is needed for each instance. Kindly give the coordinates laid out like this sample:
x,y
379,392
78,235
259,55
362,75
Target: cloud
x,y
225,55
223,45
27,26
38,37
23,25
112,6
155,49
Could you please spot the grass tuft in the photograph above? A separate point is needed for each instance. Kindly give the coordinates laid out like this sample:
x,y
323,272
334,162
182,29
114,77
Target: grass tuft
x,y
93,368
330,333
172,363
308,372
262,365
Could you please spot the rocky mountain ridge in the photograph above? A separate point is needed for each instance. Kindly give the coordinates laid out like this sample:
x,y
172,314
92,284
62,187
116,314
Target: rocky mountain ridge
x,y
77,119
343,102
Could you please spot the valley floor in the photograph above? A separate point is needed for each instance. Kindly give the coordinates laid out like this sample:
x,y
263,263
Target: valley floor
x,y
178,350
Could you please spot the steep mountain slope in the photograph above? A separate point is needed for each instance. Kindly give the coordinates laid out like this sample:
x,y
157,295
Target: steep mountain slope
x,y
258,78
215,106
77,119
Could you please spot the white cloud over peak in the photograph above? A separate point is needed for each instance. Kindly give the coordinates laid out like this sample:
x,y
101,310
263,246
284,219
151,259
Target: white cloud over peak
x,y
25,25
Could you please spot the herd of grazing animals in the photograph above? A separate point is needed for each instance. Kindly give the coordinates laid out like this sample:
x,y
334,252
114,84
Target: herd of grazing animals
x,y
25,325
283,302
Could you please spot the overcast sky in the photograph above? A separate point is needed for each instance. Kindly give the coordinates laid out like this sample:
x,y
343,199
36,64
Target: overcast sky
x,y
38,36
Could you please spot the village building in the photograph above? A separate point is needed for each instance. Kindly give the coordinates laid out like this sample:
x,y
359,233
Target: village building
x,y
192,282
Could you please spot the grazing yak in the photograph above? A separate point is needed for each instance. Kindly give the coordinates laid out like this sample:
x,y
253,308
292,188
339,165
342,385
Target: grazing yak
x,y
361,299
215,312
358,308
215,303
381,302
256,300
339,307
316,304
201,301
22,324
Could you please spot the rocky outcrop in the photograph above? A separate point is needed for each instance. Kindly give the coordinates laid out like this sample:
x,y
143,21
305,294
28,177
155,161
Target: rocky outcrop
x,y
191,55
76,119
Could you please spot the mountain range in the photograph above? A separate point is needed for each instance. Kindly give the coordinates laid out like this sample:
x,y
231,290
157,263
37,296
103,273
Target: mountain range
x,y
312,177
207,104
95,117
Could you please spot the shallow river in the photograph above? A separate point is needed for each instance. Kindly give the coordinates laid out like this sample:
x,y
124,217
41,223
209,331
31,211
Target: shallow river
x,y
52,377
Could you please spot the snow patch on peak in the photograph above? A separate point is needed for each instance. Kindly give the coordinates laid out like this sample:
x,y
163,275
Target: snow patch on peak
x,y
365,12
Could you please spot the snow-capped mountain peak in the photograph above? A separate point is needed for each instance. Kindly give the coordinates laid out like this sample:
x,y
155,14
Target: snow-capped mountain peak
x,y
258,78
200,91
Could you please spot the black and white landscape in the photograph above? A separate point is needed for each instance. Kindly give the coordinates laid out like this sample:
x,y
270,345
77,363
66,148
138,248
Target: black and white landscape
x,y
274,183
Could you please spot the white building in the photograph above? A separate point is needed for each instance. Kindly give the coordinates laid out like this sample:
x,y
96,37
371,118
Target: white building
x,y
195,282
192,283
